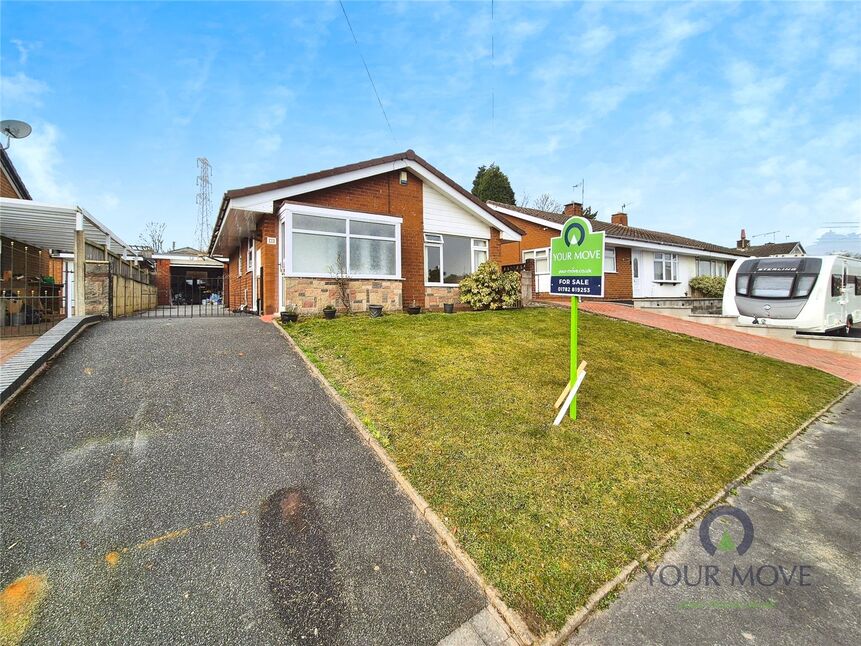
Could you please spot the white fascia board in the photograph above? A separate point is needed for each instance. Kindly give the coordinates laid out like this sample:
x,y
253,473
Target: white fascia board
x,y
104,229
324,211
529,218
507,233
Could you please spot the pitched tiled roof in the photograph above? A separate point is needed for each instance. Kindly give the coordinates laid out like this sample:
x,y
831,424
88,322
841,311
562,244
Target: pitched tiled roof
x,y
771,249
341,170
627,233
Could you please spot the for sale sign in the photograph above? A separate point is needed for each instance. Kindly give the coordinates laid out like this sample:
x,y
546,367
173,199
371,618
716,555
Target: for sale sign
x,y
577,260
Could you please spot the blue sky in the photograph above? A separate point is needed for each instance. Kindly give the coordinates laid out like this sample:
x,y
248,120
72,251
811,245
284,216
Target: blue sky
x,y
703,118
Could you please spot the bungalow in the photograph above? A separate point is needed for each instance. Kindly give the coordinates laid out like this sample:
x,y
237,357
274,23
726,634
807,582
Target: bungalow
x,y
398,230
638,263
789,248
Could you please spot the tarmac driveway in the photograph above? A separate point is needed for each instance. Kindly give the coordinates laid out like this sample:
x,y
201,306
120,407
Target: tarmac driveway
x,y
187,480
796,583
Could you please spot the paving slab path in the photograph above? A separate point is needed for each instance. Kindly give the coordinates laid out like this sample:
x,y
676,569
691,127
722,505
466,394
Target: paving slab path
x,y
798,581
187,481
841,365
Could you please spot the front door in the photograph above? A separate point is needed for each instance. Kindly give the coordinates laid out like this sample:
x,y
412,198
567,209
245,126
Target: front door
x,y
636,271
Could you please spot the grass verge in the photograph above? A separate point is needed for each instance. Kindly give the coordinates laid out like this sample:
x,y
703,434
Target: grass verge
x,y
464,405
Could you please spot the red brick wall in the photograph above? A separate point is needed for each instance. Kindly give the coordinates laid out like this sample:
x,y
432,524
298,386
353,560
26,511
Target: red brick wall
x,y
384,194
236,285
617,286
6,187
162,280
268,228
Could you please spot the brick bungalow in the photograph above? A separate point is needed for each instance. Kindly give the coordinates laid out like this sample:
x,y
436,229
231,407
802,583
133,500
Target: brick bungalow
x,y
639,263
401,230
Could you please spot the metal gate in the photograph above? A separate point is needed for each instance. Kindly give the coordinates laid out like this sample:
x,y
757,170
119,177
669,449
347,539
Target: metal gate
x,y
188,297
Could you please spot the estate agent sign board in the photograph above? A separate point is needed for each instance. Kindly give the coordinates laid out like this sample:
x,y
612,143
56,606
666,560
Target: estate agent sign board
x,y
576,270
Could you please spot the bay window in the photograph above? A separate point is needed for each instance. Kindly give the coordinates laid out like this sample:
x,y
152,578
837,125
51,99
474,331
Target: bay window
x,y
610,259
322,242
449,259
666,268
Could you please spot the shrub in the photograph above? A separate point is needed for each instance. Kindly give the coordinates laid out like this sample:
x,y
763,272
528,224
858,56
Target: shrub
x,y
708,286
488,287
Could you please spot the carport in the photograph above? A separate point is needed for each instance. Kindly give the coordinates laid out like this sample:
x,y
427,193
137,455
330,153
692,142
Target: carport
x,y
68,234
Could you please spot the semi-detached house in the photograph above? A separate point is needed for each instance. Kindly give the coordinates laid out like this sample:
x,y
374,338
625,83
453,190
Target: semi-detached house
x,y
402,232
638,263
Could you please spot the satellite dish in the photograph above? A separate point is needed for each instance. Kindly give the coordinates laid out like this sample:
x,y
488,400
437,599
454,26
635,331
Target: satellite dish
x,y
14,129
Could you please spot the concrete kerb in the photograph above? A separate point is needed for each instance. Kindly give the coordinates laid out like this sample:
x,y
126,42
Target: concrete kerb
x,y
579,617
45,360
509,617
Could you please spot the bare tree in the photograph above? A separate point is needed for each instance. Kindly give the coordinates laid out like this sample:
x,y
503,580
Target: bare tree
x,y
342,282
545,202
153,236
524,200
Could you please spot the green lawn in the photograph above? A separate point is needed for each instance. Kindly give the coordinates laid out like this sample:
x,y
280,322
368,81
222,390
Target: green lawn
x,y
464,404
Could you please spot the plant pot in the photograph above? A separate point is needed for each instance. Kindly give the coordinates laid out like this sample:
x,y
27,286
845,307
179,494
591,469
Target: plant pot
x,y
289,317
414,309
376,311
448,308
329,314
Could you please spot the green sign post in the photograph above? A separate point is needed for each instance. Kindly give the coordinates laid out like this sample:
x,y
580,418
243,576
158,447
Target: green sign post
x,y
576,270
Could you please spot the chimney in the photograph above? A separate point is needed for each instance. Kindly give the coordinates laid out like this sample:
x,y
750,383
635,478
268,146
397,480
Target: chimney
x,y
743,242
573,208
619,218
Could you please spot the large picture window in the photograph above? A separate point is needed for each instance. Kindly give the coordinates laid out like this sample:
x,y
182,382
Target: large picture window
x,y
666,268
324,243
711,267
449,259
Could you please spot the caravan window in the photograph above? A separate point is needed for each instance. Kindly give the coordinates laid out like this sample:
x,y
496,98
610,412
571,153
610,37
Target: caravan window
x,y
765,286
836,284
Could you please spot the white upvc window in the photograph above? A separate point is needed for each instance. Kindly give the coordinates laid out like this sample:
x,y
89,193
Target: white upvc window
x,y
706,267
610,260
666,268
449,259
239,261
250,261
541,258
321,242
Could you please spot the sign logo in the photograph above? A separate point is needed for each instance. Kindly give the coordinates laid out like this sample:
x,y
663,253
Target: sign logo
x,y
726,543
577,260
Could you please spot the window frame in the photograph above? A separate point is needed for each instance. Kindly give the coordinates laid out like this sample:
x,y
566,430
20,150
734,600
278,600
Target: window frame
x,y
545,251
609,252
437,240
714,267
249,263
665,257
348,217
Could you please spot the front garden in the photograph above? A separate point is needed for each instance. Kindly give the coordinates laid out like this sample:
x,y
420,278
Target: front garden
x,y
464,405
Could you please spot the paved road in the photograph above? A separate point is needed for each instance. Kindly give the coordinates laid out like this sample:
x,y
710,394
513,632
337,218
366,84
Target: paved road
x,y
805,510
187,481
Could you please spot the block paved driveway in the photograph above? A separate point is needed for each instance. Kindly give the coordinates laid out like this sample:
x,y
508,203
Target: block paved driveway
x,y
187,481
841,365
805,508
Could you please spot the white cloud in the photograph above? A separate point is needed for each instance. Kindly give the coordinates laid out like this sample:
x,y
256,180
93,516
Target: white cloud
x,y
38,160
21,91
24,49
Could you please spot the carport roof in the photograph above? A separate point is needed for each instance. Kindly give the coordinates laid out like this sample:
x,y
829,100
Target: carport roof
x,y
49,226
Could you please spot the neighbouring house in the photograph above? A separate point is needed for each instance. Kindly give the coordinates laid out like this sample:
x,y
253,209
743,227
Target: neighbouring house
x,y
188,276
398,230
638,263
769,248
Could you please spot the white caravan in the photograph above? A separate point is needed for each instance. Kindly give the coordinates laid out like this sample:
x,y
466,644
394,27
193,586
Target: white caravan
x,y
808,293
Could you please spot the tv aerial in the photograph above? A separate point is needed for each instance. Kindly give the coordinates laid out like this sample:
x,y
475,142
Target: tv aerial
x,y
14,129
